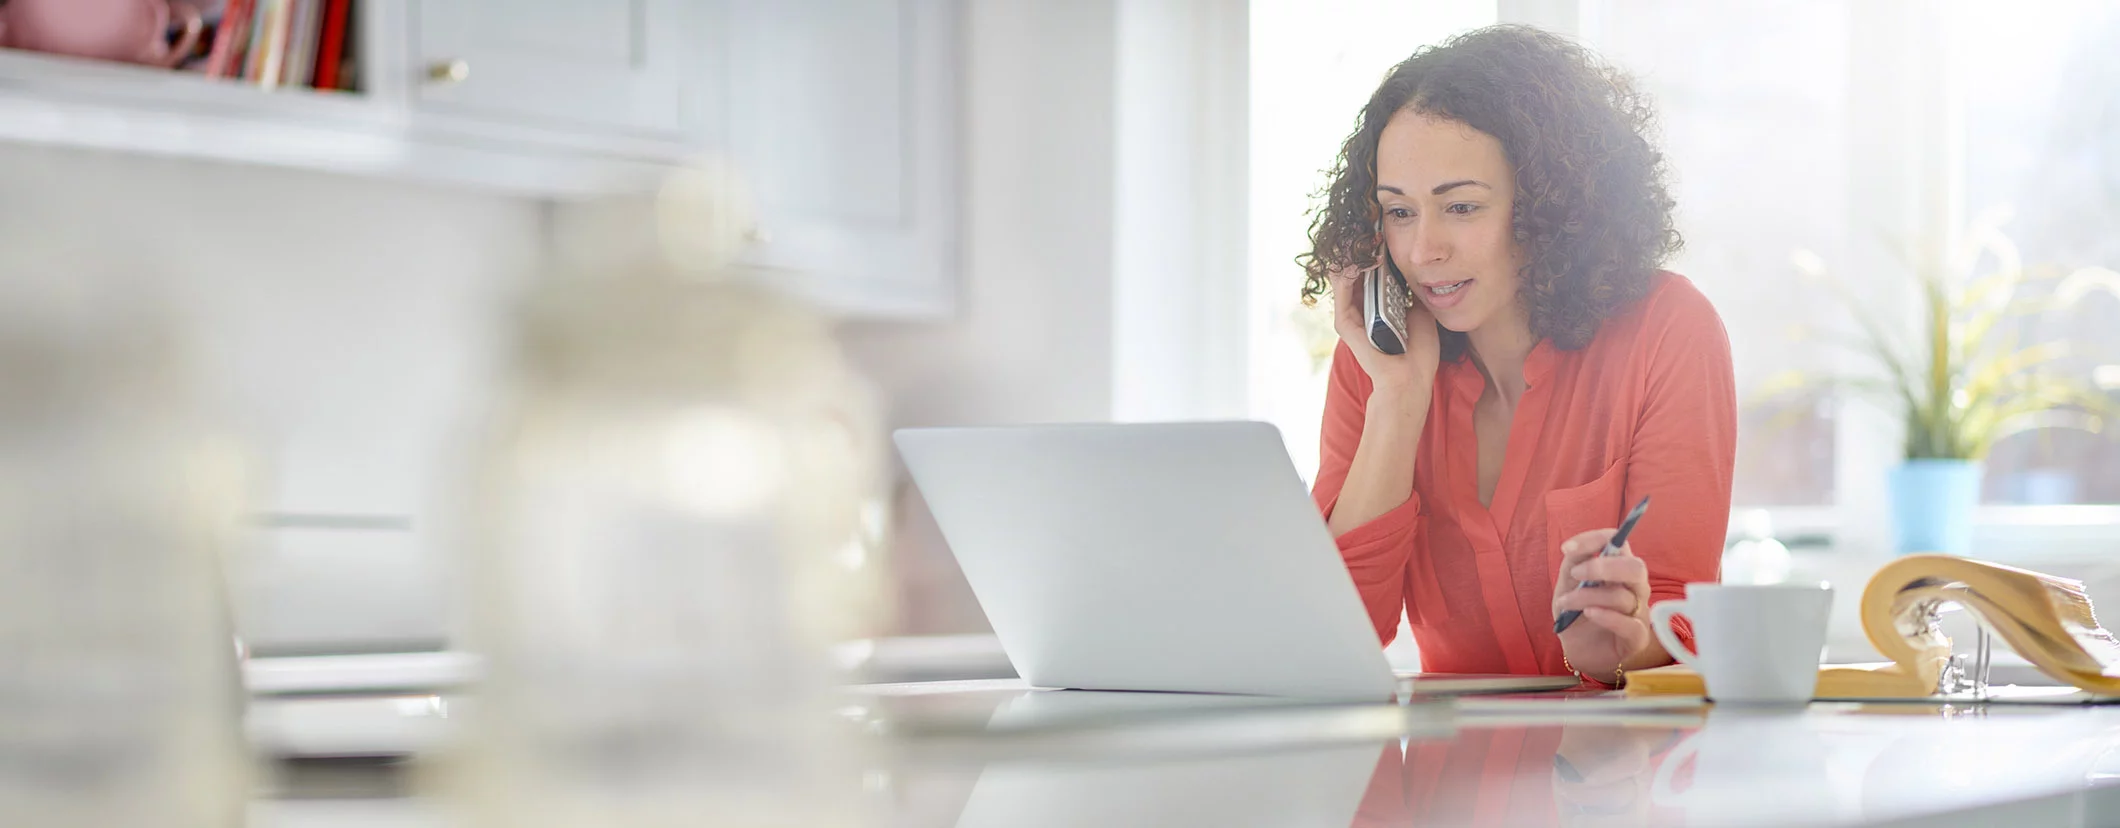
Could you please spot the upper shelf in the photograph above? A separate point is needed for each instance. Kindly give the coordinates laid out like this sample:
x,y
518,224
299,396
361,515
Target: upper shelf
x,y
61,101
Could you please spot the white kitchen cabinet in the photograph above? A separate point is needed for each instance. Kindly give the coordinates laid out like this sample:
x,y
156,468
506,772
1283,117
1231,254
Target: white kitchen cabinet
x,y
843,113
615,65
556,98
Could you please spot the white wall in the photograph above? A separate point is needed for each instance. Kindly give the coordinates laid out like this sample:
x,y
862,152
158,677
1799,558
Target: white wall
x,y
344,327
1181,307
1103,242
1032,339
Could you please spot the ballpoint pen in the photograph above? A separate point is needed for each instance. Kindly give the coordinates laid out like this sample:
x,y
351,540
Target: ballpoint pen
x,y
1612,547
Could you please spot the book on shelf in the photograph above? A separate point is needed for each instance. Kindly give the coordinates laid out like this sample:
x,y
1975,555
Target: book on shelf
x,y
303,34
230,40
302,44
2046,619
291,54
272,62
262,15
331,45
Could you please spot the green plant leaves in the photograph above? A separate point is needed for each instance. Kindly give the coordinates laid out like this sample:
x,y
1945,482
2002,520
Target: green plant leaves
x,y
1964,388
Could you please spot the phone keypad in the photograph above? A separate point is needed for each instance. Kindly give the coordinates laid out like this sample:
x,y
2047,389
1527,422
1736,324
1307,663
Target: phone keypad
x,y
1388,295
1394,296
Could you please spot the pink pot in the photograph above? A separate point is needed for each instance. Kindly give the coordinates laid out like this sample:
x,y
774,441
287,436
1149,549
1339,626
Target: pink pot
x,y
133,31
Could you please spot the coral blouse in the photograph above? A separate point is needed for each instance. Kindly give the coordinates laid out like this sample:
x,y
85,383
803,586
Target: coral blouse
x,y
1649,407
1509,776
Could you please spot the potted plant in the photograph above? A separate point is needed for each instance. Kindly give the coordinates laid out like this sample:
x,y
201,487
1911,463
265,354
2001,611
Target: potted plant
x,y
1968,379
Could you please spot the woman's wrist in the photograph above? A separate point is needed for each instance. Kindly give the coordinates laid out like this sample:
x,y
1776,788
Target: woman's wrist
x,y
1610,675
1408,396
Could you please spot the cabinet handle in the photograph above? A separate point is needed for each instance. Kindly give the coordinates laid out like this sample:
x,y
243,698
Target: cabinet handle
x,y
449,71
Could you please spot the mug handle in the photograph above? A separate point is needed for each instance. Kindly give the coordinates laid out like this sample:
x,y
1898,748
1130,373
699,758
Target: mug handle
x,y
1660,791
1660,621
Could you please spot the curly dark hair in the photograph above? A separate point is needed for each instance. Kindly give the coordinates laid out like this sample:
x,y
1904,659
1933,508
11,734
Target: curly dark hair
x,y
1592,211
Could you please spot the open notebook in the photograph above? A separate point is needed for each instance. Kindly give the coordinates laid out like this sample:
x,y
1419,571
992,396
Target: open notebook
x,y
2045,619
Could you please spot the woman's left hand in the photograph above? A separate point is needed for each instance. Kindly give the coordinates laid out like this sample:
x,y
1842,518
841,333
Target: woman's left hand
x,y
1615,620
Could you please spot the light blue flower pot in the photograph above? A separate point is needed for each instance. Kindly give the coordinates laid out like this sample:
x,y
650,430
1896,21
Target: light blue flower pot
x,y
1933,502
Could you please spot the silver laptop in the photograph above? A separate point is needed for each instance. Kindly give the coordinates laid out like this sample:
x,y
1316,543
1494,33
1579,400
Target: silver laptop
x,y
1172,556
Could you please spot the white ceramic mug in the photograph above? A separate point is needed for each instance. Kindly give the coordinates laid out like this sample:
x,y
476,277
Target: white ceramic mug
x,y
1758,644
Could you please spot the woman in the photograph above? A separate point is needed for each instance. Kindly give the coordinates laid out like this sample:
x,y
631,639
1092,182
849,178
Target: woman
x,y
1553,378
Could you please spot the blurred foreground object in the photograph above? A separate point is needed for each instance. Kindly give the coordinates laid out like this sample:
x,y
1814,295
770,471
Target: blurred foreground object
x,y
1756,557
662,516
119,697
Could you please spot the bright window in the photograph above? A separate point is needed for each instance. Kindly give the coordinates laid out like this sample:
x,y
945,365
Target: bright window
x,y
2040,85
1832,127
1313,65
1752,98
1790,125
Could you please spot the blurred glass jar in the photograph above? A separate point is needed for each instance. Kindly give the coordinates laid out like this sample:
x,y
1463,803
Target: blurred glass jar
x,y
658,561
1756,557
120,700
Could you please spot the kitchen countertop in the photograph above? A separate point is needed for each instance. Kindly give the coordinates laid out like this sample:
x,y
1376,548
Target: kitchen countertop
x,y
994,753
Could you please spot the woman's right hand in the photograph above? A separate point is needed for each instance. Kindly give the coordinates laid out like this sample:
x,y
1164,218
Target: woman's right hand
x,y
1411,371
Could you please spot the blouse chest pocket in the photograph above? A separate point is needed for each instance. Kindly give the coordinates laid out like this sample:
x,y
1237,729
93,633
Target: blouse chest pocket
x,y
1593,505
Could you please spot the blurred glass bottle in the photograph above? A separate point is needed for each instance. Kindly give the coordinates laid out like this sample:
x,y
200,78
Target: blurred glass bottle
x,y
120,701
1756,557
658,557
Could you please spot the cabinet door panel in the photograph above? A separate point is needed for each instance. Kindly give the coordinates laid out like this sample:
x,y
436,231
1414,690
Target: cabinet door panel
x,y
843,113
610,64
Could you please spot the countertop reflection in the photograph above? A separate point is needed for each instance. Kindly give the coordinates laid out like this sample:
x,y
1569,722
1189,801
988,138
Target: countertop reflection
x,y
972,755
1532,762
